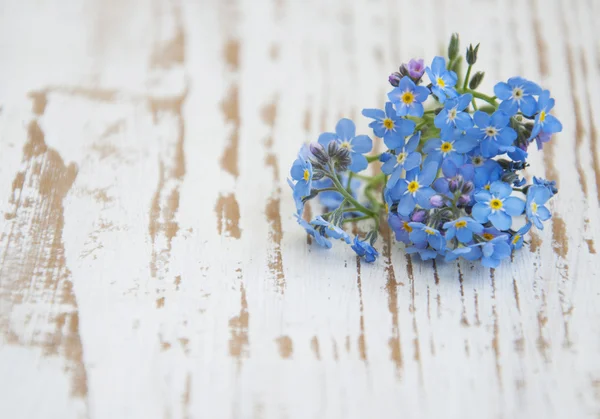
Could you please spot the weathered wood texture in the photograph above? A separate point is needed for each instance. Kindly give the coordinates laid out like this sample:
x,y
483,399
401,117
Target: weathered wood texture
x,y
149,263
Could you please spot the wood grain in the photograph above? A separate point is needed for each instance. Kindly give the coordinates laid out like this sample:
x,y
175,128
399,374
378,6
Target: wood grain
x,y
150,266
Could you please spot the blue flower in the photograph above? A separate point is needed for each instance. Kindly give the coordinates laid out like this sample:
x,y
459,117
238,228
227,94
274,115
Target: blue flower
x,y
408,98
331,230
415,189
516,240
316,233
364,250
302,172
389,126
357,145
471,252
517,94
453,116
424,251
494,251
497,137
442,80
543,120
463,228
400,227
497,205
542,138
550,184
423,234
536,212
298,201
452,147
406,158
486,173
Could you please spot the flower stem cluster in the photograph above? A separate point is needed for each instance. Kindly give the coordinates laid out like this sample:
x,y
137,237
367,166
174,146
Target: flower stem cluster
x,y
451,179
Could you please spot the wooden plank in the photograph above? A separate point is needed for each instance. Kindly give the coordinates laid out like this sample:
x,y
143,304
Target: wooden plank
x,y
149,262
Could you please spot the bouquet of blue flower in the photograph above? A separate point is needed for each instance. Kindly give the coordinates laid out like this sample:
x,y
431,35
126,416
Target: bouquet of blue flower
x,y
450,180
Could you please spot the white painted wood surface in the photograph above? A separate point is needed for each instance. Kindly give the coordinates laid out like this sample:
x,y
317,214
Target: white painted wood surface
x,y
150,265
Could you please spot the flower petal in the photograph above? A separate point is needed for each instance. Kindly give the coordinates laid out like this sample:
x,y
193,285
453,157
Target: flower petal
x,y
514,206
345,129
406,205
412,160
501,189
481,118
481,212
502,90
500,220
362,144
374,113
359,162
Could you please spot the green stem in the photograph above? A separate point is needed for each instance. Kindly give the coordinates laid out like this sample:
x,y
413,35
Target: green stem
x,y
346,195
350,175
489,99
324,189
349,220
467,77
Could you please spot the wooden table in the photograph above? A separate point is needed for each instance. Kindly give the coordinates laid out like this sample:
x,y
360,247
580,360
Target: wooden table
x,y
150,266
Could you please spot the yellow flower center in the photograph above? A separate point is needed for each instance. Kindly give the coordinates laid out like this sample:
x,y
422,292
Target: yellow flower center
x,y
516,238
534,207
388,123
460,224
542,116
487,187
488,236
517,93
446,147
306,175
407,227
495,204
408,98
491,131
440,82
346,144
413,186
429,231
401,157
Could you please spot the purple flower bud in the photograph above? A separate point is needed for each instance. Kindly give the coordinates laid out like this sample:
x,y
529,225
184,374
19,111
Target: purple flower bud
x,y
543,137
419,216
455,183
394,79
467,188
319,153
415,68
436,201
464,199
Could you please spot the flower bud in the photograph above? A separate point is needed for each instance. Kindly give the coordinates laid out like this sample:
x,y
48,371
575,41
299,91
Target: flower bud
x,y
394,79
464,199
385,157
419,216
319,153
453,47
436,201
414,69
455,183
472,54
467,188
476,80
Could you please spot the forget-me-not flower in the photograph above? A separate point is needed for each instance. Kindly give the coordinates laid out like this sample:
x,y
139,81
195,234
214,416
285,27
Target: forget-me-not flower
x,y
516,240
494,132
494,251
497,206
463,228
453,115
442,80
389,126
331,230
453,147
535,209
415,189
316,233
345,136
405,158
544,121
364,250
517,94
424,234
408,98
